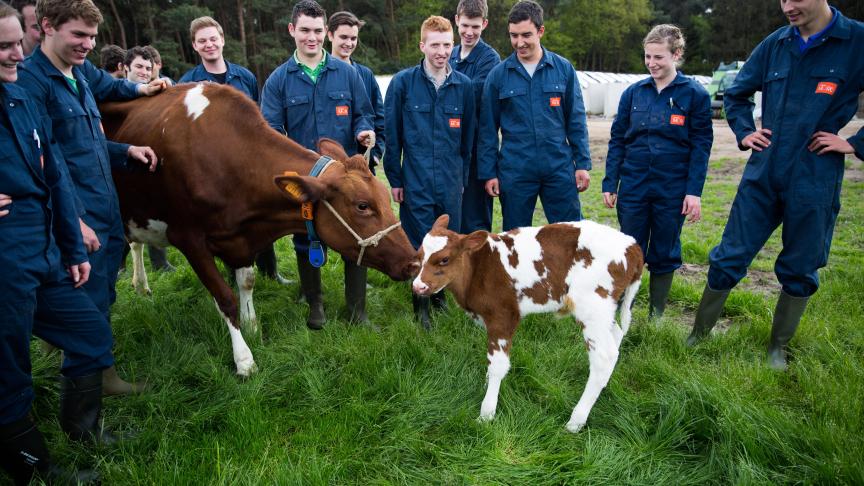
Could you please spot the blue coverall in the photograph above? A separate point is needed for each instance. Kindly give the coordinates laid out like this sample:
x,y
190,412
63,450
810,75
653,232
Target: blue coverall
x,y
39,238
430,135
802,93
476,203
236,76
658,153
544,138
77,128
336,107
377,101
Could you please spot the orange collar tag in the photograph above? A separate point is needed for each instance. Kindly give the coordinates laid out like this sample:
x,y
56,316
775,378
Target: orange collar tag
x,y
306,211
826,87
677,120
455,123
556,101
342,110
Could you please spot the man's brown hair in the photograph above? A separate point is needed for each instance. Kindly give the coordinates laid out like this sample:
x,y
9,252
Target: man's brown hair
x,y
203,23
7,10
472,9
58,12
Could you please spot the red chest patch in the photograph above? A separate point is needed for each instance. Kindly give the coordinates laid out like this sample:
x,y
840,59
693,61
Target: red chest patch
x,y
677,120
556,101
341,111
826,88
455,123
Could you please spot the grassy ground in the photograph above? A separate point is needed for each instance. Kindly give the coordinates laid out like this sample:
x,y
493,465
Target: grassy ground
x,y
349,405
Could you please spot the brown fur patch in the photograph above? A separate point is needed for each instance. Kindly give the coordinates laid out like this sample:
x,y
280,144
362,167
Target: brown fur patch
x,y
560,251
622,277
603,293
508,241
513,259
539,267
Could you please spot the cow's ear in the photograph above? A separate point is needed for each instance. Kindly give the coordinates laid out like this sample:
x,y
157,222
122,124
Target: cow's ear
x,y
301,188
474,241
331,148
441,223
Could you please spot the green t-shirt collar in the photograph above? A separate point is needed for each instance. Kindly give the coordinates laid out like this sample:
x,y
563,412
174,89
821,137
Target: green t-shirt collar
x,y
312,73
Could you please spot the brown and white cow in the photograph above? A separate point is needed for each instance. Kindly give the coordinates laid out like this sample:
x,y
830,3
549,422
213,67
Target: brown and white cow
x,y
583,269
228,185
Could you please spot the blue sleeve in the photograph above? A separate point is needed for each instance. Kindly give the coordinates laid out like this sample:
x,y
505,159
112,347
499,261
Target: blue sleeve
x,y
487,139
736,99
617,143
857,142
364,117
701,138
484,66
106,88
393,132
118,154
469,126
272,102
378,108
252,81
577,122
187,76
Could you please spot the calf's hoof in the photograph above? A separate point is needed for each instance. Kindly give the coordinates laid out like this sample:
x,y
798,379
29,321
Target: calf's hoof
x,y
575,426
246,368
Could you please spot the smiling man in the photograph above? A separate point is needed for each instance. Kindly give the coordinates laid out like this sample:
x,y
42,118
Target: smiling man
x,y
534,98
314,95
810,74
474,58
138,65
430,120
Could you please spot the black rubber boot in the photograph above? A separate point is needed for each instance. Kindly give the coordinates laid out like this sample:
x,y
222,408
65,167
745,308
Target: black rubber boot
x,y
787,316
24,456
266,263
310,287
709,311
159,259
658,291
421,310
439,301
81,409
112,384
355,293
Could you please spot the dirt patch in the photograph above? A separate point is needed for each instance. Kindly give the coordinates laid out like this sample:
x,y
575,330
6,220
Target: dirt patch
x,y
758,281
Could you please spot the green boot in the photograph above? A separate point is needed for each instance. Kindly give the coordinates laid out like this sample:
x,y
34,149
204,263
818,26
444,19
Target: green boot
x,y
709,311
310,287
658,291
787,316
355,293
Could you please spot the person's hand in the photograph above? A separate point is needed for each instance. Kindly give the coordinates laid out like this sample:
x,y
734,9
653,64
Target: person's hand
x,y
583,180
492,187
826,142
692,208
4,201
145,155
398,194
366,138
610,198
91,241
153,87
79,273
758,140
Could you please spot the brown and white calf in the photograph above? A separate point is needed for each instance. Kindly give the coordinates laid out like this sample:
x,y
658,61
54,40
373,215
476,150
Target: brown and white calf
x,y
585,269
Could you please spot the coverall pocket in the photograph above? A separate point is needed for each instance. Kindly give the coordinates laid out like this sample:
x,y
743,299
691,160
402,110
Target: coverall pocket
x,y
811,194
296,111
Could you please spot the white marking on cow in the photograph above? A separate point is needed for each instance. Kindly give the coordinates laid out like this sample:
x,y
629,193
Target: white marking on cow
x,y
245,285
152,234
499,365
139,274
242,354
195,101
431,244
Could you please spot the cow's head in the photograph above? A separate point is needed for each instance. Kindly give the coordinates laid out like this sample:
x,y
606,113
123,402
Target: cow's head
x,y
363,204
443,256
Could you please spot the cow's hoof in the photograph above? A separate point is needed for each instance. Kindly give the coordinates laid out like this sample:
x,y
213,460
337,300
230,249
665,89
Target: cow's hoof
x,y
145,292
575,426
250,325
246,368
486,417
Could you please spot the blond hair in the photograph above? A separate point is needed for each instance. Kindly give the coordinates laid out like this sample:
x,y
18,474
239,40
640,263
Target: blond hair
x,y
203,23
435,23
667,34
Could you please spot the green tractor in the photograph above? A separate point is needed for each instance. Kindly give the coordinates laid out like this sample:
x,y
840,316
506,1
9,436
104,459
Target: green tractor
x,y
723,77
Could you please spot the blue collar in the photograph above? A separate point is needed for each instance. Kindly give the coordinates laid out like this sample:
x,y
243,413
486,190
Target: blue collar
x,y
811,41
317,250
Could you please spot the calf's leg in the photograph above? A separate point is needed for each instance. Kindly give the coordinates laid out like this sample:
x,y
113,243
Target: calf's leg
x,y
499,364
139,274
602,356
245,285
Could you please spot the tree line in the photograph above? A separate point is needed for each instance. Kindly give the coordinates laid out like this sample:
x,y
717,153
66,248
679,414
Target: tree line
x,y
595,36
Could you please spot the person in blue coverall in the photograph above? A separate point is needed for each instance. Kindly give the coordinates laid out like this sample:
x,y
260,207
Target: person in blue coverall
x,y
45,265
534,98
343,30
311,96
430,122
64,89
810,74
474,58
658,158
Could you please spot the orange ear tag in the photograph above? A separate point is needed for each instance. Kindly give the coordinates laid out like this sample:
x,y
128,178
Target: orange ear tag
x,y
306,211
292,187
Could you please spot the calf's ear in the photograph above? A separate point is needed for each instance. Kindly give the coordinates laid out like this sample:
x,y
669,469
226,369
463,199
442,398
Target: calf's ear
x,y
441,223
332,149
474,241
302,188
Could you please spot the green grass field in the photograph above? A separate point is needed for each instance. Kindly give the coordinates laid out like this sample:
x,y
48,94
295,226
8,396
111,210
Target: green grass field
x,y
349,405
